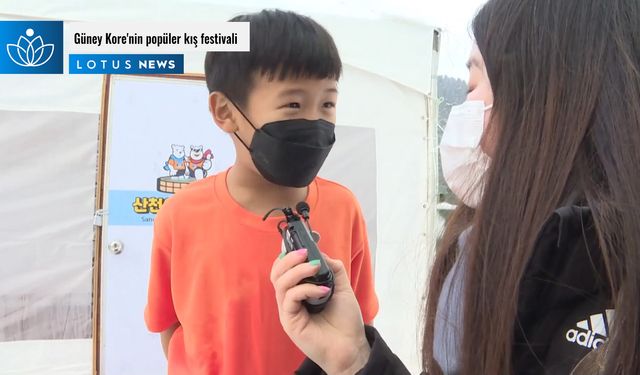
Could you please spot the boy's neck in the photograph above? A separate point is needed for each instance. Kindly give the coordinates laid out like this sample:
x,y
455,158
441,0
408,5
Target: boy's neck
x,y
257,195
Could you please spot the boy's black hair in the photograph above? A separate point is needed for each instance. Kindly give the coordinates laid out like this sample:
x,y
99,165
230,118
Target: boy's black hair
x,y
282,45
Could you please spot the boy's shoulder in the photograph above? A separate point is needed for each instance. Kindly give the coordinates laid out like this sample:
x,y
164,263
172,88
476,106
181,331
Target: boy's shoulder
x,y
196,193
335,192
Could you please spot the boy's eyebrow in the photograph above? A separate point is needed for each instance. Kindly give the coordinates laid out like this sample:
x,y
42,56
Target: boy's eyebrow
x,y
302,92
291,92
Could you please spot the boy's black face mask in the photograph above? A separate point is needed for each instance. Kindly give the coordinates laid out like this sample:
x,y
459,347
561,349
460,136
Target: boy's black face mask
x,y
290,152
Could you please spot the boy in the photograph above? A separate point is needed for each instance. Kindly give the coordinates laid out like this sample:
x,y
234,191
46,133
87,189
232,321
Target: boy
x,y
209,292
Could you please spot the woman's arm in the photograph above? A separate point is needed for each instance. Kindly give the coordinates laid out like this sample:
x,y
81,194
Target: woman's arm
x,y
334,338
381,360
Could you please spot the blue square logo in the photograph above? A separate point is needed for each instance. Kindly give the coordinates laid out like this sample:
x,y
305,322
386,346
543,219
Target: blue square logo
x,y
31,47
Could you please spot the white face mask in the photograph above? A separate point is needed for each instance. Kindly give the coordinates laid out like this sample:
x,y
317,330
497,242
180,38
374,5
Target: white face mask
x,y
463,162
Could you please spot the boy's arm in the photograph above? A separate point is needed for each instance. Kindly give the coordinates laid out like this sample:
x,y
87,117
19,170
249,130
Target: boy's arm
x,y
160,315
362,280
165,338
362,283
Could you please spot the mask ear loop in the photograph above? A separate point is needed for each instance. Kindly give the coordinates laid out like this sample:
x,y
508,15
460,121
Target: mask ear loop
x,y
241,141
246,118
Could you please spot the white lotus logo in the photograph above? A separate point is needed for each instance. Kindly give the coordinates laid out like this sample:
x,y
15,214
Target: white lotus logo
x,y
30,52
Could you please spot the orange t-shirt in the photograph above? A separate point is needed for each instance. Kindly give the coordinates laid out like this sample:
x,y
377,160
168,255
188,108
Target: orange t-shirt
x,y
210,266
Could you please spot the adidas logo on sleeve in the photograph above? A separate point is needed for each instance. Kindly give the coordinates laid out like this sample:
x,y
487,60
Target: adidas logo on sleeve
x,y
592,332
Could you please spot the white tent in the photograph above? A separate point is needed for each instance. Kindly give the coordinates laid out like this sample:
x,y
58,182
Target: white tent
x,y
49,131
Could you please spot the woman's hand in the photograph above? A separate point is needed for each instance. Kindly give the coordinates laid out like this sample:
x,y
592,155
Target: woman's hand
x,y
334,338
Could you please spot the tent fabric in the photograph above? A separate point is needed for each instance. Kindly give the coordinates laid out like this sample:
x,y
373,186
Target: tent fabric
x,y
46,240
46,357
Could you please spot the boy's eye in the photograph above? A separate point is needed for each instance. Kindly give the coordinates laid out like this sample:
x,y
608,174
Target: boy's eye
x,y
329,105
293,105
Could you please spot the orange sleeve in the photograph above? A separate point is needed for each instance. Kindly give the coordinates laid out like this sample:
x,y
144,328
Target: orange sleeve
x,y
159,313
362,280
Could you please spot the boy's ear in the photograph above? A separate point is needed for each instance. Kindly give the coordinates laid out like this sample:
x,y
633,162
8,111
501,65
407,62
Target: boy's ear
x,y
221,110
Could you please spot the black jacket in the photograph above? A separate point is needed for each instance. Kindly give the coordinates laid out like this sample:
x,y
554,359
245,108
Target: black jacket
x,y
562,309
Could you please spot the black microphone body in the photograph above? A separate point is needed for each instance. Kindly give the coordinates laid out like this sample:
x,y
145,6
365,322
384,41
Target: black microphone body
x,y
296,235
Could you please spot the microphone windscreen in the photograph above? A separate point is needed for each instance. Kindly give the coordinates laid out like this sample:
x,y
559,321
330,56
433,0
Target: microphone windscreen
x,y
302,207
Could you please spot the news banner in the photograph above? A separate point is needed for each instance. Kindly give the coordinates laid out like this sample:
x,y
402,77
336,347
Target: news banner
x,y
57,47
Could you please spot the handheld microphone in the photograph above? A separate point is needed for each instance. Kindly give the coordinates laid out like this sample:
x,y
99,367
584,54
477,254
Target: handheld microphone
x,y
297,235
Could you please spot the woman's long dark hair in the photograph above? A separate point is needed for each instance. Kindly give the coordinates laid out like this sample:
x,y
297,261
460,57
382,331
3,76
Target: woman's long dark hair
x,y
565,76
